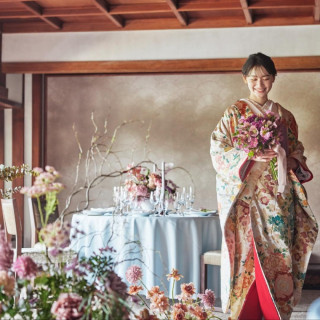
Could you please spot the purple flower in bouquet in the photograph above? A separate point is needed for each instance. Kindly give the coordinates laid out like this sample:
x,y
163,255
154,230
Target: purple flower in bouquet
x,y
6,253
257,133
25,267
67,307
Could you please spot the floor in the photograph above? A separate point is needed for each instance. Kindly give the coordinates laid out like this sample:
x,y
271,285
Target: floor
x,y
300,311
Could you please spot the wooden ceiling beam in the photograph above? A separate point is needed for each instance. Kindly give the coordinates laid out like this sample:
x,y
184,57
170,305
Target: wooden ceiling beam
x,y
317,10
283,4
307,63
103,6
181,16
71,12
246,11
37,11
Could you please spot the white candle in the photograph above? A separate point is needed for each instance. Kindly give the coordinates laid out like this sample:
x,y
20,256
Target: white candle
x,y
190,191
163,180
154,168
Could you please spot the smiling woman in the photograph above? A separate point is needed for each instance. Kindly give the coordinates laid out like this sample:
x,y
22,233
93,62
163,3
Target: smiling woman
x,y
265,249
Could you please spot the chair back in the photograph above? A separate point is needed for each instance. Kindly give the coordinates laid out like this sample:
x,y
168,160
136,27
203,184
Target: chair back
x,y
12,222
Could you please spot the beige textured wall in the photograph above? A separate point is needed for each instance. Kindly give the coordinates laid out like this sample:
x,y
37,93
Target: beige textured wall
x,y
183,110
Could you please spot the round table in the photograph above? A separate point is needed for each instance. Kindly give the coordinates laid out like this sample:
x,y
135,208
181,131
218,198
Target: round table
x,y
156,244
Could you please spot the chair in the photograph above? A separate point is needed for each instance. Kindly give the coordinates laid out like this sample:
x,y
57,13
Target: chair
x,y
212,258
12,224
37,254
13,227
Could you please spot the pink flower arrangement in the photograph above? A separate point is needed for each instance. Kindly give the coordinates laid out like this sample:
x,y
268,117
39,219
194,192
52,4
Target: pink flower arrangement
x,y
45,185
257,133
25,267
140,182
200,308
67,307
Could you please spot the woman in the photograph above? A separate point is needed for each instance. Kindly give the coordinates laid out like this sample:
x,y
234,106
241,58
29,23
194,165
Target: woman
x,y
268,227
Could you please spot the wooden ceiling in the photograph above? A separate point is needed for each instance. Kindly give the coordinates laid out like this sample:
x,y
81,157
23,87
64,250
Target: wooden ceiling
x,y
18,16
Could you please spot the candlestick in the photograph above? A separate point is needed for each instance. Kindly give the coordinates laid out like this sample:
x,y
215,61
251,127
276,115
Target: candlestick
x,y
163,182
154,168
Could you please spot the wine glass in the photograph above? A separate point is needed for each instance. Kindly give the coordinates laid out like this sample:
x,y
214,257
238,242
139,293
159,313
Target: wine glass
x,y
154,202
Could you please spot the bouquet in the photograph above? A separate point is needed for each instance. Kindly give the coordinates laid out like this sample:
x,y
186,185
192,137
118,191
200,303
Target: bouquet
x,y
256,134
186,307
140,182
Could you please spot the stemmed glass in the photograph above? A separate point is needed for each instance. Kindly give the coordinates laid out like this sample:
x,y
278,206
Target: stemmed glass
x,y
155,200
116,199
190,197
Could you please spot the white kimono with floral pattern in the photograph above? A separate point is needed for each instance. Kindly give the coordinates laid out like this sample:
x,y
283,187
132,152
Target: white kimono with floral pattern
x,y
283,226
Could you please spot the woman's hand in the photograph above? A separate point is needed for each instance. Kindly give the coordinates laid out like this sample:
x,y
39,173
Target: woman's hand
x,y
265,156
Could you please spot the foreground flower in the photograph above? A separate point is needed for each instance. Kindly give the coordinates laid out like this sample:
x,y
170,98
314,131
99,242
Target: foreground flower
x,y
188,289
56,236
115,285
208,298
25,267
133,274
134,289
160,303
174,274
7,282
179,311
154,291
198,312
67,307
145,315
6,253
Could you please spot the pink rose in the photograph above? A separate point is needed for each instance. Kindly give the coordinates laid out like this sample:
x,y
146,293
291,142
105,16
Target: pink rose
x,y
142,191
67,307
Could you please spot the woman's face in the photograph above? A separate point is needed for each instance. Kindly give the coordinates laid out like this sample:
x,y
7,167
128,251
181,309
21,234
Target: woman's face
x,y
259,82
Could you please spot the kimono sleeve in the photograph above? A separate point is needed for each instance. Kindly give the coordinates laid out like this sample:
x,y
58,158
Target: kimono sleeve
x,y
296,151
230,163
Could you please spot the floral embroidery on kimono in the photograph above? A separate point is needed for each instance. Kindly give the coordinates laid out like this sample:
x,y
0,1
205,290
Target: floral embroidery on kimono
x,y
282,225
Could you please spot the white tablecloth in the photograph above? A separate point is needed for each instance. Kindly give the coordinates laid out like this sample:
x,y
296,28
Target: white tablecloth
x,y
157,244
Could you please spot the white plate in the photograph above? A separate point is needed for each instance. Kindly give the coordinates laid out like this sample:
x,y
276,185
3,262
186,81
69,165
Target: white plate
x,y
103,210
202,213
140,213
93,213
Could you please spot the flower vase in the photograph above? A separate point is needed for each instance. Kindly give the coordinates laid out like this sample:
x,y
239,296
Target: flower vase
x,y
145,205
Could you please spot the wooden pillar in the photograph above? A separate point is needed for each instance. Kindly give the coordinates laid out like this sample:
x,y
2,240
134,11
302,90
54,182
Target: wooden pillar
x,y
38,122
18,156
